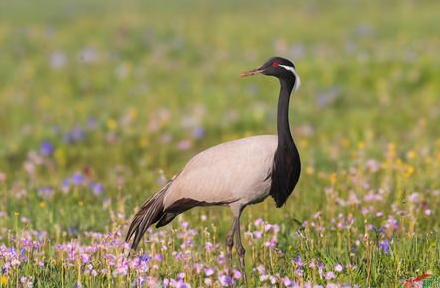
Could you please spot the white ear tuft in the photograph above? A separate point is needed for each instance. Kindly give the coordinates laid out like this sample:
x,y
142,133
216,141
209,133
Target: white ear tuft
x,y
297,79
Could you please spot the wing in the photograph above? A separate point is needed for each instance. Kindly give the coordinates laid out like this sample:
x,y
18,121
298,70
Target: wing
x,y
226,173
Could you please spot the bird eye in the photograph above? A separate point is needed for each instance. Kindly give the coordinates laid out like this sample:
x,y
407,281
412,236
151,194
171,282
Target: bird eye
x,y
275,64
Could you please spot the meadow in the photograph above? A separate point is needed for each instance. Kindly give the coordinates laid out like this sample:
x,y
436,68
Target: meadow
x,y
102,101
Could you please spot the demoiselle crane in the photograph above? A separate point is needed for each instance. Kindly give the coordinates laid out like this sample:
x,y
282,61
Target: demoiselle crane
x,y
235,174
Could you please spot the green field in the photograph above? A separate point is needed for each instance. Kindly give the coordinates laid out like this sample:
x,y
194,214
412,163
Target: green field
x,y
102,101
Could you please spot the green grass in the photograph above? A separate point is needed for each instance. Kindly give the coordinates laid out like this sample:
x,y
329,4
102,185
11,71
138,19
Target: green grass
x,y
139,76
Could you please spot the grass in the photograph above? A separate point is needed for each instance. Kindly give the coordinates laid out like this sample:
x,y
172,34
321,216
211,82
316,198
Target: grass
x,y
101,102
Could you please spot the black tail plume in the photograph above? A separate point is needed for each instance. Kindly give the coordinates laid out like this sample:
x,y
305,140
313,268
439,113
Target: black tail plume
x,y
150,213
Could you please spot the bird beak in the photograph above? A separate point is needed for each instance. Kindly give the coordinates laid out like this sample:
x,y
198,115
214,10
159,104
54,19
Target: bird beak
x,y
252,72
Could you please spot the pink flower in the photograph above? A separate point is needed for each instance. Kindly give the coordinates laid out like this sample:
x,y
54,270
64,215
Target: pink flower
x,y
330,275
338,268
209,271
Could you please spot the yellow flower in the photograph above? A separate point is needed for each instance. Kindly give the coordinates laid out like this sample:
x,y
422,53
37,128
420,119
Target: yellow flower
x,y
310,170
17,214
4,280
60,157
112,124
42,204
143,142
408,171
333,178
411,154
391,149
345,142
13,148
133,113
361,145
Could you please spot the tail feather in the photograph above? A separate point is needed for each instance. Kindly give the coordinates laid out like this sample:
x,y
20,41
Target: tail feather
x,y
151,211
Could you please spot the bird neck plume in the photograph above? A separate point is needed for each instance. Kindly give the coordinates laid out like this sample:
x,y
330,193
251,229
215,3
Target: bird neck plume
x,y
286,166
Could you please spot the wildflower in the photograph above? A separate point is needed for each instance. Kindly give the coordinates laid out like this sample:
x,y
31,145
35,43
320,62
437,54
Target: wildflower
x,y
226,280
272,243
330,275
287,282
57,59
267,227
75,135
77,178
198,132
209,271
27,281
299,272
88,55
414,197
3,280
258,222
338,268
45,192
257,234
209,246
298,262
237,274
46,148
208,281
385,246
2,177
97,188
184,145
261,270
91,123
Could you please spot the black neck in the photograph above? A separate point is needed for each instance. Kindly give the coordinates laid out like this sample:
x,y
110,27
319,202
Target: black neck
x,y
287,166
283,127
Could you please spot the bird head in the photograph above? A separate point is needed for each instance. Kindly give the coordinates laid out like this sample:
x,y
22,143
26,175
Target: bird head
x,y
275,66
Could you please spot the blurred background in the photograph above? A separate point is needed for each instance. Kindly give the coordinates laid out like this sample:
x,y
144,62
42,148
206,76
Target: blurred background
x,y
102,101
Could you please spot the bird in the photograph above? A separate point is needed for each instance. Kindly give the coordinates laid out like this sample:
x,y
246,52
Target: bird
x,y
237,173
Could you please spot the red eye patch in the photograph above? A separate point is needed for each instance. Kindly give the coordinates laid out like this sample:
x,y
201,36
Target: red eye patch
x,y
275,64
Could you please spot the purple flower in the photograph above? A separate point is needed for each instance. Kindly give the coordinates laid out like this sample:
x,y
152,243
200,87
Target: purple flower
x,y
299,272
385,246
75,135
97,188
77,178
46,191
145,258
91,123
198,133
226,280
46,148
298,262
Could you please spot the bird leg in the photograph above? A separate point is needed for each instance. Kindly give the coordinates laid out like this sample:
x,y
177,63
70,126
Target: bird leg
x,y
230,242
240,249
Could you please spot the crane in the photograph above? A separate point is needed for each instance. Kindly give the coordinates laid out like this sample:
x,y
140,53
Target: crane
x,y
237,173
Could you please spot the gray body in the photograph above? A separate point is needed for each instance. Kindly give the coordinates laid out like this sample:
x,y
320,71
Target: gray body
x,y
234,173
